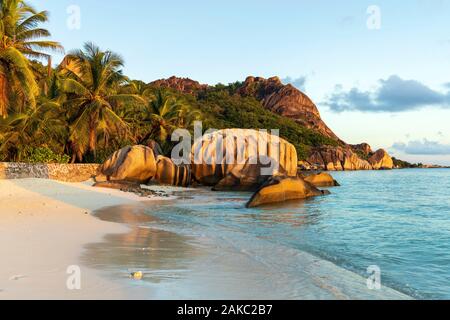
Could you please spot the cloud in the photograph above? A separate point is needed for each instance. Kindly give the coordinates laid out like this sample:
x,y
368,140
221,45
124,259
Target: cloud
x,y
299,83
392,95
424,147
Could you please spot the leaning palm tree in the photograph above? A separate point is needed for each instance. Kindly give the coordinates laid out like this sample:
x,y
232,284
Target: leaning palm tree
x,y
91,89
20,39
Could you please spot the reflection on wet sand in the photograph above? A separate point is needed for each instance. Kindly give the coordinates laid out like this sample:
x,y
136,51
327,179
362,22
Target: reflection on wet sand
x,y
160,255
230,252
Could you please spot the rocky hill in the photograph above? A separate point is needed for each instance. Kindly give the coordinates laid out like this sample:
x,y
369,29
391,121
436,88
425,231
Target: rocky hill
x,y
184,85
289,102
286,101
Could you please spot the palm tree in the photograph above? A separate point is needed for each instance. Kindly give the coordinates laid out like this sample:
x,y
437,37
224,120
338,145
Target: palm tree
x,y
166,113
19,40
40,126
136,87
91,88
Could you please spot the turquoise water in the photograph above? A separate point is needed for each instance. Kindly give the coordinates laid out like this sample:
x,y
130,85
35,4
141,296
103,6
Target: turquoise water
x,y
398,220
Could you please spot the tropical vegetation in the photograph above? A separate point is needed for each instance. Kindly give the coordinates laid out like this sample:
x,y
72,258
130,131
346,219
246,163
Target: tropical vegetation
x,y
84,108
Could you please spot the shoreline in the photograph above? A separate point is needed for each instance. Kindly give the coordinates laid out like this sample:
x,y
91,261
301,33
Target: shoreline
x,y
217,266
51,226
44,226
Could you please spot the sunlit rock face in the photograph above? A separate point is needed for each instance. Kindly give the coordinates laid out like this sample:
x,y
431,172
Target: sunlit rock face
x,y
337,159
363,148
381,160
135,164
280,189
287,101
184,85
322,179
168,173
249,178
225,151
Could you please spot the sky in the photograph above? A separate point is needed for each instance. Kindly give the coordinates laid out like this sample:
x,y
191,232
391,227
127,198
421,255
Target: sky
x,y
379,71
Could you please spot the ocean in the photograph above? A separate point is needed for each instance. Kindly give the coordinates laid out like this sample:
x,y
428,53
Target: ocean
x,y
208,245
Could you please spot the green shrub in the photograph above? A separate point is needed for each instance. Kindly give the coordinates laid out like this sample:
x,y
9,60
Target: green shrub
x,y
43,155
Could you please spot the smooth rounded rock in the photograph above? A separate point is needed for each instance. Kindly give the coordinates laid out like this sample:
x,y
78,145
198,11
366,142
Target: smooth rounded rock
x,y
281,189
136,164
322,179
221,152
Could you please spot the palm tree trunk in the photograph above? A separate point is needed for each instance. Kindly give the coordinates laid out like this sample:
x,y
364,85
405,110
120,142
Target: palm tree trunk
x,y
92,141
49,66
49,74
4,97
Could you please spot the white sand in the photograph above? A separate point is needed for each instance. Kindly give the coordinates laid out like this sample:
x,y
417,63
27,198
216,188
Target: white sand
x,y
43,227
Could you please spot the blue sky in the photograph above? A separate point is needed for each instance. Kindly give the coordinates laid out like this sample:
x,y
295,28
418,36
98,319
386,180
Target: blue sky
x,y
388,87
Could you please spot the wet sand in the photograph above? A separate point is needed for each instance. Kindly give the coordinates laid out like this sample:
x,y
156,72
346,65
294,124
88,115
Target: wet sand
x,y
224,267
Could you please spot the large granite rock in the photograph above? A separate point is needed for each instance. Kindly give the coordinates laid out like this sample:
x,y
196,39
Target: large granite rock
x,y
157,150
381,160
168,173
287,101
209,168
249,178
135,164
322,179
280,189
337,159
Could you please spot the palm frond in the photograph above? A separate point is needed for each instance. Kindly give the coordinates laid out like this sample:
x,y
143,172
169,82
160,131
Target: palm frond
x,y
75,87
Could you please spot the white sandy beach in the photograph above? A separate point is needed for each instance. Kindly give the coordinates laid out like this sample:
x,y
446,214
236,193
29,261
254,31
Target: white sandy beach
x,y
43,227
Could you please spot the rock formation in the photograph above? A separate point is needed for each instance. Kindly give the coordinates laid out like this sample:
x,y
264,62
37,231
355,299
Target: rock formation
x,y
219,153
168,173
362,148
336,159
184,85
248,178
286,101
290,102
135,164
343,158
280,189
157,151
132,187
321,180
381,160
